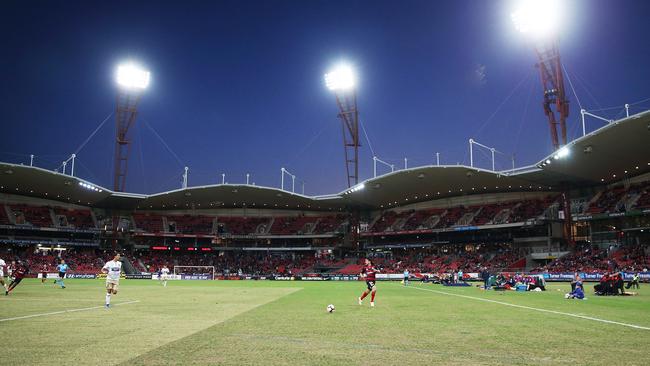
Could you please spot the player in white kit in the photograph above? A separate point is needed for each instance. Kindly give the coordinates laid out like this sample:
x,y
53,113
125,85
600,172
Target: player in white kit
x,y
164,275
113,269
2,274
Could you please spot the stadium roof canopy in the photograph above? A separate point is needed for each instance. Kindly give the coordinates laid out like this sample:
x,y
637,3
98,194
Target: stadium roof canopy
x,y
612,153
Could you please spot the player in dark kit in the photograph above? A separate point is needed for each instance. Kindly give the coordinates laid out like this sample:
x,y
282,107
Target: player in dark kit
x,y
44,270
368,272
19,273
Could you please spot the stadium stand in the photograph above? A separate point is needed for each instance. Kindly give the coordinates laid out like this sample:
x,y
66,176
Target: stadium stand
x,y
79,219
585,258
151,223
439,218
607,201
293,225
188,224
423,219
244,225
328,224
38,216
4,218
530,209
386,220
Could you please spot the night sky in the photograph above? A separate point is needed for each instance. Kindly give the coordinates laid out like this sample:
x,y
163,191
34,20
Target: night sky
x,y
237,86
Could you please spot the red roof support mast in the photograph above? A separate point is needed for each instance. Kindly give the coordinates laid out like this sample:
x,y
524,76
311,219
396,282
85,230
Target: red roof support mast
x,y
127,110
555,102
132,80
349,115
343,82
541,20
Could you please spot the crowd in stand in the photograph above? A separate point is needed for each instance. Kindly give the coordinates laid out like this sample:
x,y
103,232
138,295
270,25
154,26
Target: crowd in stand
x,y
611,199
227,262
88,261
586,258
46,216
495,258
633,258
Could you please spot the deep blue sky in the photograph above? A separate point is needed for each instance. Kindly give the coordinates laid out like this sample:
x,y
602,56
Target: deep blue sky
x,y
237,85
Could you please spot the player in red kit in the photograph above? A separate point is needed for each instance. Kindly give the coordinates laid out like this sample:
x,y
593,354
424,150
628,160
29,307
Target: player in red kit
x,y
44,270
19,273
368,272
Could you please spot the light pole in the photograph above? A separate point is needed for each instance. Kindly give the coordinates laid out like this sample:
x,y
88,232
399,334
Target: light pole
x,y
132,80
342,80
540,21
185,177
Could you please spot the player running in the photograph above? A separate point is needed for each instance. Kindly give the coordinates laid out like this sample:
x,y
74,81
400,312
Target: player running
x,y
113,269
164,275
45,268
10,269
62,268
368,272
2,274
19,273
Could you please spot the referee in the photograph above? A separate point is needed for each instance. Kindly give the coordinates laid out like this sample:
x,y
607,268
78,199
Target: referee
x,y
62,268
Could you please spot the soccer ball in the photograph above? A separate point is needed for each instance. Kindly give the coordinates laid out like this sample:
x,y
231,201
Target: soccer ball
x,y
566,296
330,308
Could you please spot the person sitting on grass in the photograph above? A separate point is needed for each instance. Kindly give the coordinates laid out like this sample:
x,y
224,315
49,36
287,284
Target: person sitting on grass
x,y
618,284
576,279
604,286
577,293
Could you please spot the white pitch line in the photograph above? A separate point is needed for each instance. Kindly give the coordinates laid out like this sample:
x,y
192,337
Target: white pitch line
x,y
64,311
535,309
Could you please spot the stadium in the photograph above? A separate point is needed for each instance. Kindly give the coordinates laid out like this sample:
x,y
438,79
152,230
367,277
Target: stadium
x,y
473,264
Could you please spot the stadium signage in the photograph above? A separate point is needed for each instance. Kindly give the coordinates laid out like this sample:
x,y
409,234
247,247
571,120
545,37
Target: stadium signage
x,y
344,278
457,228
312,278
465,228
138,276
80,275
328,277
283,278
36,228
591,276
195,277
390,276
608,215
49,243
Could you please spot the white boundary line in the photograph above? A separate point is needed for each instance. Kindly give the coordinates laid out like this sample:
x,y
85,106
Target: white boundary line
x,y
535,309
64,311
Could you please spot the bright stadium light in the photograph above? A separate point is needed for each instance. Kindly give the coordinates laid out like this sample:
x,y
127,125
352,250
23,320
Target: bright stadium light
x,y
562,153
538,18
132,76
342,77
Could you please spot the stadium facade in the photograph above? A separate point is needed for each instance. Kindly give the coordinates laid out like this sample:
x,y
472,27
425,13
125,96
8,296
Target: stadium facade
x,y
429,208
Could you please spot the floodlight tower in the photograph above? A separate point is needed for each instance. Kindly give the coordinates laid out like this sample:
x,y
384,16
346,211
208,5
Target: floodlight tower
x,y
132,80
342,81
540,20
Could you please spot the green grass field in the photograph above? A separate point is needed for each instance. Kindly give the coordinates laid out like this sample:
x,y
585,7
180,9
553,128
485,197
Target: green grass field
x,y
280,323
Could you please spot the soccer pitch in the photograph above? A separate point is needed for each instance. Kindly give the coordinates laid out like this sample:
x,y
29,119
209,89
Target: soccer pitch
x,y
279,323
